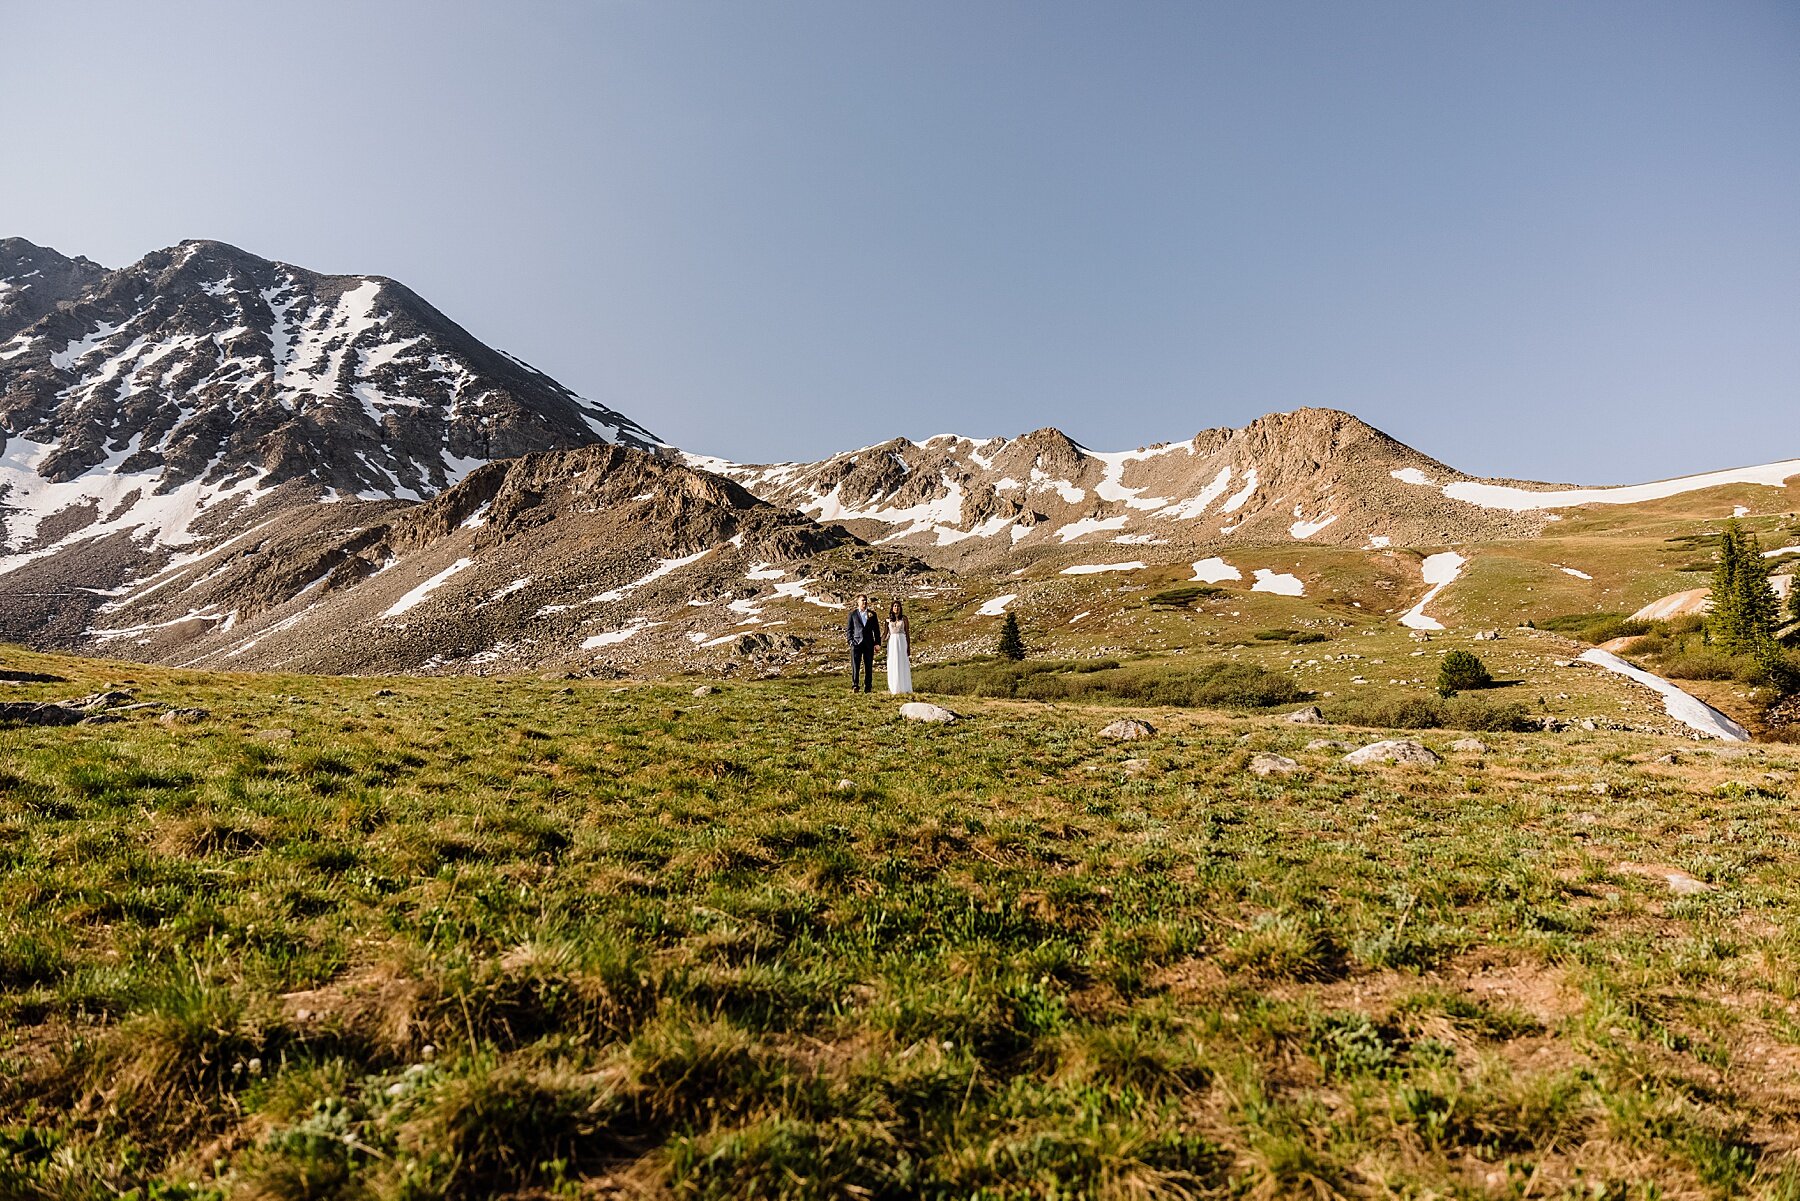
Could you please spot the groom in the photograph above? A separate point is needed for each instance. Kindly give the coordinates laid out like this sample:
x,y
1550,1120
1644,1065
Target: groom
x,y
864,632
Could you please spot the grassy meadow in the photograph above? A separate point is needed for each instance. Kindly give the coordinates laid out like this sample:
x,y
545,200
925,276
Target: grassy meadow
x,y
413,938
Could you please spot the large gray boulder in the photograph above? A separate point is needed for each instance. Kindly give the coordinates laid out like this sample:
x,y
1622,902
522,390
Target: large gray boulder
x,y
1128,729
1393,750
1273,765
1309,716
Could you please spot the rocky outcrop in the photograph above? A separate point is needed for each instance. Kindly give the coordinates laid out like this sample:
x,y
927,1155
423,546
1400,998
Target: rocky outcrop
x,y
603,556
1314,475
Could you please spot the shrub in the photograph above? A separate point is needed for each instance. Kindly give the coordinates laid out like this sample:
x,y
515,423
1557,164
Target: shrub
x,y
1207,685
1593,627
1461,671
1183,596
1698,665
1430,713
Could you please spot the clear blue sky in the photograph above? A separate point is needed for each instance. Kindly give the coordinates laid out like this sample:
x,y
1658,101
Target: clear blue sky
x,y
1551,240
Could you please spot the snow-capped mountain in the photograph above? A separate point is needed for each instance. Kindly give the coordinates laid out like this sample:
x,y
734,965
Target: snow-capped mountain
x,y
151,410
549,558
35,279
1314,475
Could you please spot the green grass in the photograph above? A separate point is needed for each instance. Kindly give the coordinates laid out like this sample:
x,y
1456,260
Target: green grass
x,y
527,939
1218,683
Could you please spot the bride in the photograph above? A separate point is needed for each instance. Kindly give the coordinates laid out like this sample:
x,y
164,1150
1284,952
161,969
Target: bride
x,y
899,662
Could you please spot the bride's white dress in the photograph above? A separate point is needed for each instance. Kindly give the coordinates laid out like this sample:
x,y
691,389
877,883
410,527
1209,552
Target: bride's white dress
x,y
899,663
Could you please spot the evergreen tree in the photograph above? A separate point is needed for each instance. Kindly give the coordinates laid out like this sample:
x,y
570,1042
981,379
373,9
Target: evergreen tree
x,y
1012,643
1745,609
1794,594
1459,670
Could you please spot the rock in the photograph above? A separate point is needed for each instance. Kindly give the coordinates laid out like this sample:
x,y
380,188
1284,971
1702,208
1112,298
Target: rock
x,y
925,711
278,734
99,700
384,692
1128,729
1328,744
705,690
183,717
1588,724
45,713
1671,758
846,785
1134,767
1309,716
1393,750
1487,636
1470,746
1273,765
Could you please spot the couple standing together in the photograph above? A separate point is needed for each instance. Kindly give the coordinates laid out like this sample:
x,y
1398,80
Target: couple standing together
x,y
864,632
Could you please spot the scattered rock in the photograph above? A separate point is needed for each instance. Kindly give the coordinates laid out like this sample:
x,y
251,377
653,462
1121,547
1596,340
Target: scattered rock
x,y
1134,767
846,785
8,676
384,692
1309,716
1393,750
1680,883
44,713
99,700
278,734
1588,724
1487,636
705,690
1671,758
1128,729
1273,765
925,711
1470,746
183,717
1328,744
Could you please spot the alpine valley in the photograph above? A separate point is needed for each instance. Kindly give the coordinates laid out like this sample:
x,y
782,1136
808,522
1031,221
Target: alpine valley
x,y
216,460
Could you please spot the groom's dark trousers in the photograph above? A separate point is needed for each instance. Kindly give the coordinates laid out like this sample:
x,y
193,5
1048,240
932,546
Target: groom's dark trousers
x,y
863,631
862,667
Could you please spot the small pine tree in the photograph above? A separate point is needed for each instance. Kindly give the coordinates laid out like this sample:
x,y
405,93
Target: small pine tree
x,y
1794,595
1012,643
1459,671
1744,610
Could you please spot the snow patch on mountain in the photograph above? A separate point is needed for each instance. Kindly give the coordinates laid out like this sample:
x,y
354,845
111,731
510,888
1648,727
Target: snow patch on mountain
x,y
1215,569
1280,583
1685,708
1440,571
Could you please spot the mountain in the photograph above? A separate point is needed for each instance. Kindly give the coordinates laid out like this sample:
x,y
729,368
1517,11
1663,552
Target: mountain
x,y
1315,475
151,411
541,560
34,280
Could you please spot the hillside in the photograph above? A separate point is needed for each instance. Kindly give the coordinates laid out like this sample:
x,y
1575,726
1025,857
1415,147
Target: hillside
x,y
516,939
153,411
533,562
1312,475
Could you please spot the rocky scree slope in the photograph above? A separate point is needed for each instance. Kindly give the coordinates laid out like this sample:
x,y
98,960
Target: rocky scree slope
x,y
597,558
1315,475
150,411
35,279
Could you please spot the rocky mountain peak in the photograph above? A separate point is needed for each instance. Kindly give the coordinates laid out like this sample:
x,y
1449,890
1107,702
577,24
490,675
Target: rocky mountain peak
x,y
34,280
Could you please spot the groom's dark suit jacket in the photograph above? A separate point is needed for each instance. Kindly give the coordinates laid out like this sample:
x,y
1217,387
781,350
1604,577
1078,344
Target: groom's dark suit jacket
x,y
862,627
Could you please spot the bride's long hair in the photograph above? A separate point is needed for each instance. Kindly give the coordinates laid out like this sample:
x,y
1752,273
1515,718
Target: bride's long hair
x,y
895,612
